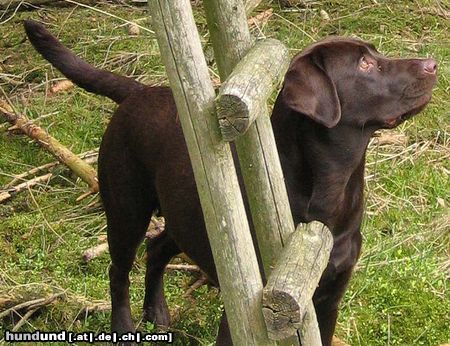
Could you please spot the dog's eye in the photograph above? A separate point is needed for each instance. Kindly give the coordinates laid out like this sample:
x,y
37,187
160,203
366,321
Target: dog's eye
x,y
379,68
364,65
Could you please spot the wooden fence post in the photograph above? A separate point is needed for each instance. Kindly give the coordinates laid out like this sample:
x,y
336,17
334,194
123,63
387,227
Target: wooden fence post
x,y
257,152
260,164
222,204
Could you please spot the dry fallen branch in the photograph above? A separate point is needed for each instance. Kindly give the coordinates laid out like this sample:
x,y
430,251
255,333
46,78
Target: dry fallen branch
x,y
59,86
23,301
30,305
197,284
24,319
13,5
94,252
184,267
87,173
7,194
22,177
93,307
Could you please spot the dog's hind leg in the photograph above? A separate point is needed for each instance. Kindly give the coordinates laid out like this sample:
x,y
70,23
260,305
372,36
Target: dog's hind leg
x,y
128,202
126,229
159,252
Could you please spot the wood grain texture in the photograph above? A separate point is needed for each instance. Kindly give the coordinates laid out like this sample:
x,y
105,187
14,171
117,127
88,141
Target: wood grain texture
x,y
243,96
287,297
258,156
222,204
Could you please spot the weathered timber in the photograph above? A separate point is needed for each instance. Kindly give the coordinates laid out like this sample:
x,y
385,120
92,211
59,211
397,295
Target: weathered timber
x,y
9,192
230,36
86,172
310,332
243,96
291,285
217,183
258,156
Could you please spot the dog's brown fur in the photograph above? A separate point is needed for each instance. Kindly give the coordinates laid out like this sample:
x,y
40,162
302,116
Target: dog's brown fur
x,y
335,95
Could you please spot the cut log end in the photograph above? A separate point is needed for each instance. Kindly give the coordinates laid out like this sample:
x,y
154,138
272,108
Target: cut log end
x,y
231,128
233,115
282,314
287,297
280,326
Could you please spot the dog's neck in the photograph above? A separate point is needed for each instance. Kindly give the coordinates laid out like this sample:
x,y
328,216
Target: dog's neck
x,y
324,169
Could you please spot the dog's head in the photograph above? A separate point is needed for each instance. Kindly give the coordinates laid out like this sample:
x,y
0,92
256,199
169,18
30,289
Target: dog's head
x,y
347,81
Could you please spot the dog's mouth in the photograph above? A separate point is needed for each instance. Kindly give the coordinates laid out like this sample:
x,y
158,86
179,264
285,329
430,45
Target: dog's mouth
x,y
396,120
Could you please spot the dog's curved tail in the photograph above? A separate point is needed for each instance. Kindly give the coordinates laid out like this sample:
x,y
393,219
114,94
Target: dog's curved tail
x,y
101,82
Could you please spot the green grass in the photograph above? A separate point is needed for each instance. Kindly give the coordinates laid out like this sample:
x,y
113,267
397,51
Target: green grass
x,y
400,293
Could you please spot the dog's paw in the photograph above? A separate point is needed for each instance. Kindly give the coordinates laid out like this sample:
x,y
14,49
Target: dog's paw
x,y
158,315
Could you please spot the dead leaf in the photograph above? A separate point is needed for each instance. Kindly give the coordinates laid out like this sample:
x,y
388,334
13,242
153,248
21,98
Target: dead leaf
x,y
133,29
391,138
59,86
324,15
261,18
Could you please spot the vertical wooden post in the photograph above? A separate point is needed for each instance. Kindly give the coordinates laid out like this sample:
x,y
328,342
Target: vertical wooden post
x,y
257,151
222,204
258,156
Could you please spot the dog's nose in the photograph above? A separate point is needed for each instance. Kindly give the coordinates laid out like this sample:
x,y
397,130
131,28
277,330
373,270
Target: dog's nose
x,y
430,66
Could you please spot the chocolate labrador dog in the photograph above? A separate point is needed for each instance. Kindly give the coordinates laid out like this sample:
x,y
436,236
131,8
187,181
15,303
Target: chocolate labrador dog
x,y
336,94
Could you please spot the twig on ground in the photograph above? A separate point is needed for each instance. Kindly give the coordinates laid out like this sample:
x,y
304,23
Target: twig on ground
x,y
7,194
94,307
22,176
197,284
185,267
24,319
31,304
94,252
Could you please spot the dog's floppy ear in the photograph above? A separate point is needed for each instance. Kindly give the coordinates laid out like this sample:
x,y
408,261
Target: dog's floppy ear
x,y
309,90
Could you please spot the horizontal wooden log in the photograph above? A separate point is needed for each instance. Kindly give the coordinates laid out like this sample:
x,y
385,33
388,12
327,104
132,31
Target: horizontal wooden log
x,y
289,290
243,96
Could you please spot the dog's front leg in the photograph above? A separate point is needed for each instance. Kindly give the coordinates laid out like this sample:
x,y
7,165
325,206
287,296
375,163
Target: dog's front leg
x,y
326,302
